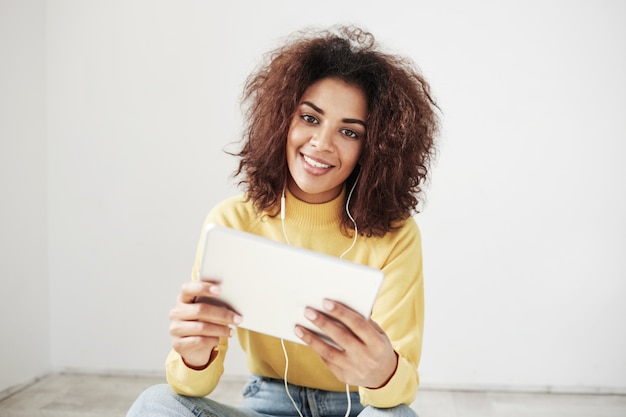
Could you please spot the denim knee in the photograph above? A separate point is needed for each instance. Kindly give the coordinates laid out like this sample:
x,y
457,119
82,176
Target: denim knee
x,y
397,411
161,401
158,400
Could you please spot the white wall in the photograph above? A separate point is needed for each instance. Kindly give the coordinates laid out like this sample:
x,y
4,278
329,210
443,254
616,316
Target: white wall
x,y
24,294
526,228
524,232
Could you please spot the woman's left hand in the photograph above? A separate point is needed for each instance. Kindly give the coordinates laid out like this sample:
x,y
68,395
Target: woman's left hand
x,y
363,356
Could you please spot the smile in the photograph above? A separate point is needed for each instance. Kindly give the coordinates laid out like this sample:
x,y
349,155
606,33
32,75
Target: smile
x,y
314,163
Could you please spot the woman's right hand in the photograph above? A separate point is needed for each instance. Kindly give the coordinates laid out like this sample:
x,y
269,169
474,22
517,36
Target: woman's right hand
x,y
196,327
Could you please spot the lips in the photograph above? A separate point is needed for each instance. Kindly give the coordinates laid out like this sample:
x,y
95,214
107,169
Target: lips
x,y
314,163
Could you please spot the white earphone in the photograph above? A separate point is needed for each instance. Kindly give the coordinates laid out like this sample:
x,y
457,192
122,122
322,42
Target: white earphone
x,y
356,230
282,341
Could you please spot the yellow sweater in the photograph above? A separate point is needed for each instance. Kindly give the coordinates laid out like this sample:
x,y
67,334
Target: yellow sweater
x,y
399,308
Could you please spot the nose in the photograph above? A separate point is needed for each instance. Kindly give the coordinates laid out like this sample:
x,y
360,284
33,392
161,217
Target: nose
x,y
323,139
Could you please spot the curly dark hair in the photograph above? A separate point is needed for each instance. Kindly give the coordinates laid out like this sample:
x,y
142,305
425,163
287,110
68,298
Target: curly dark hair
x,y
401,123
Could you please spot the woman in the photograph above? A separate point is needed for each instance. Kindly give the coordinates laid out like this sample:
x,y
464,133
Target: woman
x,y
337,148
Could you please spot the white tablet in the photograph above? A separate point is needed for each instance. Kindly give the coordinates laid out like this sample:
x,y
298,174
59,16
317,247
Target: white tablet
x,y
270,283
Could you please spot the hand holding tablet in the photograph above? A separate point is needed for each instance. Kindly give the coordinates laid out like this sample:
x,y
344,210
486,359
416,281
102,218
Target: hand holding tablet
x,y
271,284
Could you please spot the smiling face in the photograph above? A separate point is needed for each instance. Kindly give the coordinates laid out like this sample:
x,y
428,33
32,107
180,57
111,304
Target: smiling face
x,y
325,139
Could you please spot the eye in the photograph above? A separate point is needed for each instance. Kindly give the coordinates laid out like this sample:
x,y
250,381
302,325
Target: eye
x,y
309,119
350,133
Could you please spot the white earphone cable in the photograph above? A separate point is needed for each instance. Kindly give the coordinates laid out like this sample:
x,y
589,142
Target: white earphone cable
x,y
356,231
282,341
282,216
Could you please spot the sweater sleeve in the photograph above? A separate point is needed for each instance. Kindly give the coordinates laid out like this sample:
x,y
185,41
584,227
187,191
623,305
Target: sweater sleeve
x,y
182,379
399,310
186,381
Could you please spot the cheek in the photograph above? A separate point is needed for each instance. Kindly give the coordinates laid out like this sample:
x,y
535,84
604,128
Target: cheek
x,y
292,147
352,154
296,135
292,139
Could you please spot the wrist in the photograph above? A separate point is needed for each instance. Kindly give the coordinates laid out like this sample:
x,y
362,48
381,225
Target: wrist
x,y
393,372
194,367
214,353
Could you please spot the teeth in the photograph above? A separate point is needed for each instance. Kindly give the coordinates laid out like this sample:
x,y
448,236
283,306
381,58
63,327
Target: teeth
x,y
315,163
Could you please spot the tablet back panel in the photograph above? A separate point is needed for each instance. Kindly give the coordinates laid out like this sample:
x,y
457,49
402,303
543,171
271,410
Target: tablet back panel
x,y
270,283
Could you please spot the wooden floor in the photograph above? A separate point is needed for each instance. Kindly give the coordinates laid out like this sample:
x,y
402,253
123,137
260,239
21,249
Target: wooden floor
x,y
79,395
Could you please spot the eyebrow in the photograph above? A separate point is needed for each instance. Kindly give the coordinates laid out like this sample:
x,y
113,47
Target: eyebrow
x,y
320,111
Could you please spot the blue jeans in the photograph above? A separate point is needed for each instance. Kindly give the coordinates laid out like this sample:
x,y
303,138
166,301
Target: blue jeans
x,y
262,397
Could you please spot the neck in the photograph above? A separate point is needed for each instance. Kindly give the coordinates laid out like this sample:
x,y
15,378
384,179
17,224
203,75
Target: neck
x,y
332,209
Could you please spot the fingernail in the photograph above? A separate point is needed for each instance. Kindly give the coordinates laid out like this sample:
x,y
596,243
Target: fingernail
x,y
237,319
214,289
328,305
298,332
310,314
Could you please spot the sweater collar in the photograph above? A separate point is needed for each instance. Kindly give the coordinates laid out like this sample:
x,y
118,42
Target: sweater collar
x,y
314,216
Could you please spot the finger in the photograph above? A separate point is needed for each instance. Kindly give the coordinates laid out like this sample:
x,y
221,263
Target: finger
x,y
199,328
323,345
359,326
332,355
205,313
196,344
193,289
332,329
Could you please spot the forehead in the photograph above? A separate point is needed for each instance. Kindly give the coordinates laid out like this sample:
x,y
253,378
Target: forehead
x,y
333,95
